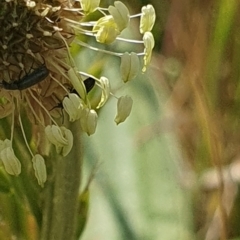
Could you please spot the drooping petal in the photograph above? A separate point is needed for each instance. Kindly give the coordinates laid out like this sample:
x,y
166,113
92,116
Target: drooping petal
x,y
148,18
120,14
107,30
69,136
124,107
10,162
77,82
129,66
73,105
149,44
105,86
89,121
39,167
55,135
61,137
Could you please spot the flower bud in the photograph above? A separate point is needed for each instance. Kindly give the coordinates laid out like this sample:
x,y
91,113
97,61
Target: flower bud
x,y
129,66
124,107
40,169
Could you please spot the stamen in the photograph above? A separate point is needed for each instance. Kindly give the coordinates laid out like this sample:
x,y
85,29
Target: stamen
x,y
130,40
91,76
67,47
12,126
60,84
33,111
88,75
106,51
58,68
101,10
97,49
24,135
136,15
29,90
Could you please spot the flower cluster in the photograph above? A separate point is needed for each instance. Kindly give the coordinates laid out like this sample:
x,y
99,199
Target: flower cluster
x,y
38,76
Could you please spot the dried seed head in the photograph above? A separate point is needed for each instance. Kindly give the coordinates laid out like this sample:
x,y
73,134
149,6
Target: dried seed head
x,y
35,34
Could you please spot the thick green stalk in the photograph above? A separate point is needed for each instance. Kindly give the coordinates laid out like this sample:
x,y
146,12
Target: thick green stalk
x,y
61,194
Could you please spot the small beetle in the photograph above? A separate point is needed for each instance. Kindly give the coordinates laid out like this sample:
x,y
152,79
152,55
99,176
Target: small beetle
x,y
88,83
28,80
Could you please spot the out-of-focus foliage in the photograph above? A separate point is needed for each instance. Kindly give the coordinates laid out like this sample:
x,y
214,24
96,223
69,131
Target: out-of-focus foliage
x,y
172,170
136,192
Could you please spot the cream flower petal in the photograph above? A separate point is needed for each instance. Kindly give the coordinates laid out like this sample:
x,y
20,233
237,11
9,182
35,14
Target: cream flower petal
x,y
124,107
107,30
129,66
105,86
120,14
39,167
148,18
10,162
89,121
73,105
149,44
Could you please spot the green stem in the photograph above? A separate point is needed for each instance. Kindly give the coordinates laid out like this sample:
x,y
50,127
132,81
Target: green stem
x,y
61,194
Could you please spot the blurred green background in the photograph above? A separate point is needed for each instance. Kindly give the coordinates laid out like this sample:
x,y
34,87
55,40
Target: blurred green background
x,y
171,171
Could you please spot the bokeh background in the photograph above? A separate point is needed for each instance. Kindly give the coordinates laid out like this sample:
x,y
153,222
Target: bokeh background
x,y
172,170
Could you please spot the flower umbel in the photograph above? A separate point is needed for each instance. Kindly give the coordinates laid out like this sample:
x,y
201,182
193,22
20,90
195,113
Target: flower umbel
x,y
38,76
